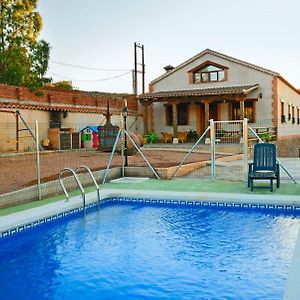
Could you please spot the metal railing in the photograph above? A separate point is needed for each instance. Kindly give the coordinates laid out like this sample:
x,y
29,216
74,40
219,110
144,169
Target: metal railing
x,y
38,170
78,183
93,178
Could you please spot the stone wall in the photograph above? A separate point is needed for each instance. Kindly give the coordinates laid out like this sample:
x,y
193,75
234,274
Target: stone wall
x,y
289,146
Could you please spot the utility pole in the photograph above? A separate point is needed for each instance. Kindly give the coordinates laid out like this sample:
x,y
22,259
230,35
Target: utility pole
x,y
136,70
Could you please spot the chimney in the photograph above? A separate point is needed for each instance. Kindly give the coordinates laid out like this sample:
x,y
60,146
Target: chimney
x,y
168,68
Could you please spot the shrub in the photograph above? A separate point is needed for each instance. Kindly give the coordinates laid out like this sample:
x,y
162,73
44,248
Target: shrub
x,y
192,135
266,137
151,137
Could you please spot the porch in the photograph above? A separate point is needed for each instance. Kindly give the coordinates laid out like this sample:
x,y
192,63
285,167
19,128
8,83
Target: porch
x,y
198,106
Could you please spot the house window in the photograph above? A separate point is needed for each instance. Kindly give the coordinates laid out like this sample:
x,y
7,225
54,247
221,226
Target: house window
x,y
282,112
298,116
289,112
249,111
55,119
293,114
182,114
209,73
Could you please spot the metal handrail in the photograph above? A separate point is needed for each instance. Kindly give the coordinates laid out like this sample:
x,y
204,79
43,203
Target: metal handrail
x,y
78,183
93,178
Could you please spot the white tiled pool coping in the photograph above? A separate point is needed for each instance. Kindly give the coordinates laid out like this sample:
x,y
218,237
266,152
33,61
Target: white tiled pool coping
x,y
292,291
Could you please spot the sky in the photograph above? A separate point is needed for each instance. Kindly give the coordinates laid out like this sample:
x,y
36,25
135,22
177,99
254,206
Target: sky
x,y
98,34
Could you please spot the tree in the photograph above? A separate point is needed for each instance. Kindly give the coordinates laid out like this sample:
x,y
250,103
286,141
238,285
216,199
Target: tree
x,y
23,59
64,84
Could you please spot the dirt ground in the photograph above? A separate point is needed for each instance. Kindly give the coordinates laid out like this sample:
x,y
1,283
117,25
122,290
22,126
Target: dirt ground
x,y
19,171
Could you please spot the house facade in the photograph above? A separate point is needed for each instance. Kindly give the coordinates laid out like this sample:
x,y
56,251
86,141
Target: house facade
x,y
212,85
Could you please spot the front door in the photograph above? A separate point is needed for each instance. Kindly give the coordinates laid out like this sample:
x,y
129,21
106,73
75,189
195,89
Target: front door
x,y
213,111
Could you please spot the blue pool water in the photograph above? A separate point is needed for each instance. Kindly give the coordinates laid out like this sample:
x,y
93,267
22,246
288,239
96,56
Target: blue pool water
x,y
135,251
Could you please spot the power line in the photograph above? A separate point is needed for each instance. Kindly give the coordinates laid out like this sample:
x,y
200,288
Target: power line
x,y
87,68
92,80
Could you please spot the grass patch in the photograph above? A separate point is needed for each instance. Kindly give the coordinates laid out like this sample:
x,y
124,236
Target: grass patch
x,y
182,185
37,203
197,185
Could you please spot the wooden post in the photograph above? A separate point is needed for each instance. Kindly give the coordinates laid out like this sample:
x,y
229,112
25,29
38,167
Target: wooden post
x,y
206,111
135,83
242,109
175,119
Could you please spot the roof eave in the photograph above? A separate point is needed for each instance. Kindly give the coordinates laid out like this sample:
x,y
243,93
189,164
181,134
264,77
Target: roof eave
x,y
199,93
289,84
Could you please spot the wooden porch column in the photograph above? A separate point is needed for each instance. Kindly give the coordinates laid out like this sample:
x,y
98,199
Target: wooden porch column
x,y
206,112
242,109
175,117
145,117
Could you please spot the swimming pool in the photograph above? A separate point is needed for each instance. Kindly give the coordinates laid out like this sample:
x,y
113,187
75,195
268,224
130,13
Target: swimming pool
x,y
138,251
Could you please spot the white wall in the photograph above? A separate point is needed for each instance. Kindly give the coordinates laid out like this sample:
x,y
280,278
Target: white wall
x,y
80,120
288,95
8,129
223,107
160,121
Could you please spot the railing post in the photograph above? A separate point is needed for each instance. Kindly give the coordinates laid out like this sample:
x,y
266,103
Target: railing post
x,y
122,145
245,148
212,149
38,166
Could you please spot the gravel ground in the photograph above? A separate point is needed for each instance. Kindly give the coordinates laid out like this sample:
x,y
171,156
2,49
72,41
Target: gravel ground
x,y
19,170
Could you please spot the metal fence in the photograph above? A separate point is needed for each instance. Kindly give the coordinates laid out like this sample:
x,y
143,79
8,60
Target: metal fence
x,y
219,153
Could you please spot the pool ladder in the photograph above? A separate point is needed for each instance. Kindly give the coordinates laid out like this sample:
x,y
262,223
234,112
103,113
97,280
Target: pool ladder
x,y
75,175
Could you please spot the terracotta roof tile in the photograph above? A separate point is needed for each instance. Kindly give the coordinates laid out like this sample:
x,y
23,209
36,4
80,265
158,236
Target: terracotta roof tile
x,y
228,90
50,107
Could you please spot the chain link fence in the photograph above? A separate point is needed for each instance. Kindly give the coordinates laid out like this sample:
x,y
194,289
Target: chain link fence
x,y
70,147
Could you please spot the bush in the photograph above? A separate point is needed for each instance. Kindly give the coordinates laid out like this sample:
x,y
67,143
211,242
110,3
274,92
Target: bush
x,y
266,137
151,137
192,135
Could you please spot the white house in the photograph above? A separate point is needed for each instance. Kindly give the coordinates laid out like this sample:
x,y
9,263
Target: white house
x,y
212,85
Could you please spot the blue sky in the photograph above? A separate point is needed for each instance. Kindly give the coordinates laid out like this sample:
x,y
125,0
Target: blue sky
x,y
100,34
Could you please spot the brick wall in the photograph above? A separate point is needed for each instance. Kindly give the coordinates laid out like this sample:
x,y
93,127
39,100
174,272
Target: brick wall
x,y
57,96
